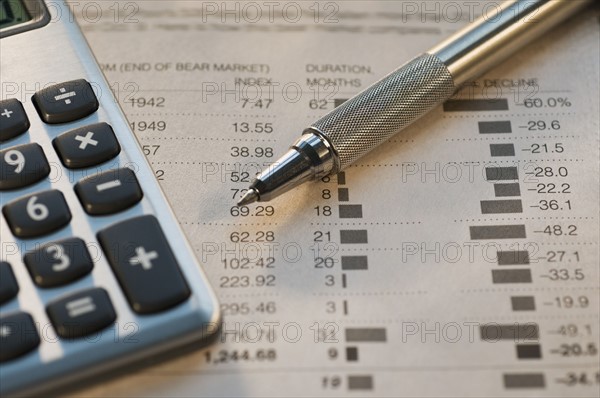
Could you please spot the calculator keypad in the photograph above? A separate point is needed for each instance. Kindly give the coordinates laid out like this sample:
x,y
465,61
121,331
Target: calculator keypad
x,y
22,165
18,335
81,313
65,102
87,146
13,119
58,263
109,192
144,264
136,248
37,214
8,284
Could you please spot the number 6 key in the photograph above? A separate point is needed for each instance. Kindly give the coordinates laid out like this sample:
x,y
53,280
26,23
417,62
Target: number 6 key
x,y
37,214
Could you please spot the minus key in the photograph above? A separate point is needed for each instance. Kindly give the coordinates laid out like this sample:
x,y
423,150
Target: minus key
x,y
109,192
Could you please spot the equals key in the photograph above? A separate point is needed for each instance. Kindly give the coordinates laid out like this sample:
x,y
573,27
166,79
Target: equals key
x,y
109,192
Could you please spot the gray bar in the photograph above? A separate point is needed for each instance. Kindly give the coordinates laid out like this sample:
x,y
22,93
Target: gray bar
x,y
515,332
513,257
511,276
501,173
524,380
529,351
523,303
339,101
360,382
343,194
501,206
510,189
498,232
499,127
476,105
353,263
351,354
366,335
497,150
341,178
353,236
350,211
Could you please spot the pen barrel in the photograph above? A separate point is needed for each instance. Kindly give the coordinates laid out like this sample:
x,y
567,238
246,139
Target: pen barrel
x,y
498,34
362,123
382,110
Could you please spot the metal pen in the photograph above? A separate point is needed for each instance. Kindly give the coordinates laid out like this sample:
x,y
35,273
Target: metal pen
x,y
370,118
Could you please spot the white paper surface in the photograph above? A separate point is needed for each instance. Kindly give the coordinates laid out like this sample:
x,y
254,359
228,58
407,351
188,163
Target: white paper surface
x,y
217,90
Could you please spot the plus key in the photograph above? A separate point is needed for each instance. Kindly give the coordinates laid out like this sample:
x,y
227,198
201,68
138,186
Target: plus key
x,y
144,264
13,119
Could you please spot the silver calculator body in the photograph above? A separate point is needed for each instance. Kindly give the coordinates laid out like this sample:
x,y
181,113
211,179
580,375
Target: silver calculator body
x,y
42,52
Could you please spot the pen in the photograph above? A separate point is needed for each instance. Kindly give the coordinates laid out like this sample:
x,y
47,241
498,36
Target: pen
x,y
371,117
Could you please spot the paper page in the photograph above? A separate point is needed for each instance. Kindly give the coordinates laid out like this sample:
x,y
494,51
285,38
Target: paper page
x,y
459,259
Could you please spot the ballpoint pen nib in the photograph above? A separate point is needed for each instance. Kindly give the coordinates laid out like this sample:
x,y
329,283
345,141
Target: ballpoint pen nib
x,y
250,196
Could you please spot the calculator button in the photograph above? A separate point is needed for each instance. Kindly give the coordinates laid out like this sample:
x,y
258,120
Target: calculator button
x,y
87,146
18,336
22,165
58,263
109,192
37,214
143,262
8,283
13,119
81,313
65,102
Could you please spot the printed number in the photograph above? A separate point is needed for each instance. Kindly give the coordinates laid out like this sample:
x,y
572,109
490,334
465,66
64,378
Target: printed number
x,y
36,211
58,254
245,152
15,158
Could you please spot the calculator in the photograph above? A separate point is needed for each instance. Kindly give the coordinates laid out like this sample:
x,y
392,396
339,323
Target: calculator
x,y
95,273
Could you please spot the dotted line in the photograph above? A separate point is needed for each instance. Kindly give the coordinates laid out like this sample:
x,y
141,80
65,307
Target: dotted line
x,y
364,223
383,249
400,141
364,294
522,218
526,290
211,139
569,243
473,162
372,249
510,114
191,163
371,321
241,295
519,161
172,163
511,138
227,224
271,116
535,317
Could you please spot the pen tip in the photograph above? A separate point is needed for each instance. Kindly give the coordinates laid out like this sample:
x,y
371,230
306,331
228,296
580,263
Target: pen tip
x,y
250,196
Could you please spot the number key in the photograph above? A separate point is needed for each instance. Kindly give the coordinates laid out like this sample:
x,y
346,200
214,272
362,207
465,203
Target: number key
x,y
8,283
13,119
18,335
58,263
22,165
37,214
